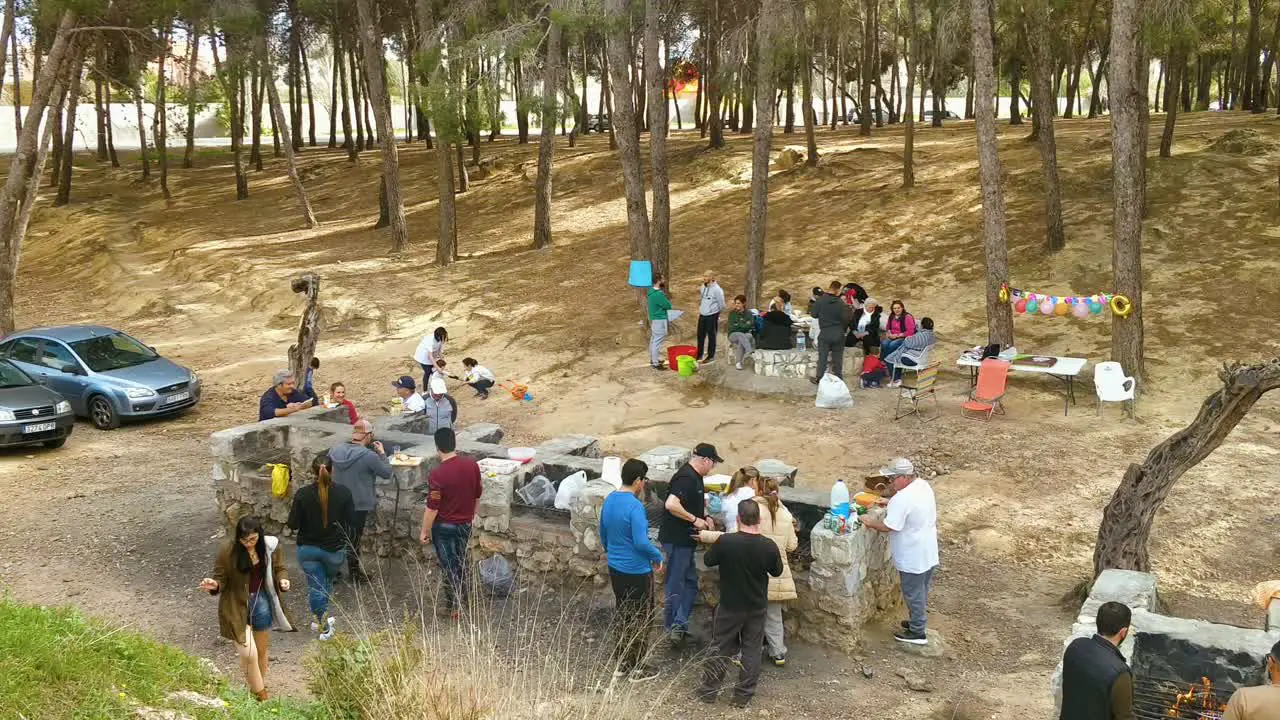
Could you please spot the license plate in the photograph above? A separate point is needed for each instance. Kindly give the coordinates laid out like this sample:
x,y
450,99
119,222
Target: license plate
x,y
39,428
176,397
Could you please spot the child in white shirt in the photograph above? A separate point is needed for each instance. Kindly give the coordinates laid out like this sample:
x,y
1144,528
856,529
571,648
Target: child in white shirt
x,y
479,377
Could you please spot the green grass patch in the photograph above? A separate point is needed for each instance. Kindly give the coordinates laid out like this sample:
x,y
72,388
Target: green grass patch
x,y
56,663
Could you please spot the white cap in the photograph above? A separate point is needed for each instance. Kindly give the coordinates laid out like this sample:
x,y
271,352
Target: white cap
x,y
437,386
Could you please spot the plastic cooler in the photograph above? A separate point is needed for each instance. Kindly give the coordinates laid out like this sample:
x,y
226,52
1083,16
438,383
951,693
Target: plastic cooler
x,y
675,352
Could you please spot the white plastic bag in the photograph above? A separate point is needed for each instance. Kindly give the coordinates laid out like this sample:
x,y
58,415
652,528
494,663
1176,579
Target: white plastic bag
x,y
571,486
833,393
538,492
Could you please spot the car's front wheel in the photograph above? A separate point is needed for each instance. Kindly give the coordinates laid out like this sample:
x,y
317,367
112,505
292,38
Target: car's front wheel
x,y
55,444
102,413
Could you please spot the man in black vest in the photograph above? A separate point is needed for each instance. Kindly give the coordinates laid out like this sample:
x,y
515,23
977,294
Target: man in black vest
x,y
1096,682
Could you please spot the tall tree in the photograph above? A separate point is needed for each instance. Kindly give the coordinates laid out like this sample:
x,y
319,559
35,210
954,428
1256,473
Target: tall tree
x,y
909,134
161,109
995,245
805,64
231,75
1040,29
870,64
193,54
769,26
656,82
267,71
375,67
547,123
713,75
623,119
23,171
68,142
1128,97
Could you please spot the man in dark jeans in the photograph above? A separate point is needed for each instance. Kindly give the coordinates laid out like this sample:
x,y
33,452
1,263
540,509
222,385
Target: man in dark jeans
x,y
747,560
624,535
357,466
684,514
710,305
833,317
454,490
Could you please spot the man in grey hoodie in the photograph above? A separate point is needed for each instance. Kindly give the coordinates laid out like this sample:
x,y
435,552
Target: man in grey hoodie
x,y
439,409
357,465
833,320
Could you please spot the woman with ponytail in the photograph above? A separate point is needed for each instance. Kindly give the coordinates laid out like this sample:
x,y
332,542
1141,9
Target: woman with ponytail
x,y
320,512
777,524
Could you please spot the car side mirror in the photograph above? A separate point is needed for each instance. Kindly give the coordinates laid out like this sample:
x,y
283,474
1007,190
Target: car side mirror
x,y
71,369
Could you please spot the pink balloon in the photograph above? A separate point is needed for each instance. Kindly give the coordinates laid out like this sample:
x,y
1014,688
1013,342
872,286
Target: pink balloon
x,y
1046,307
1080,310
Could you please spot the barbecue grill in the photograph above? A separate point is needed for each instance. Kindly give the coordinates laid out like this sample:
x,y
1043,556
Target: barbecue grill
x,y
1157,698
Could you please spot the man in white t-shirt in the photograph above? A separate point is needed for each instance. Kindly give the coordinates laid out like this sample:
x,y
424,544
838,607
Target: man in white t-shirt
x,y
407,391
912,523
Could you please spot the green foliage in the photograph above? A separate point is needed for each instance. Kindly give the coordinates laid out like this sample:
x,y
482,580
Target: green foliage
x,y
55,663
348,674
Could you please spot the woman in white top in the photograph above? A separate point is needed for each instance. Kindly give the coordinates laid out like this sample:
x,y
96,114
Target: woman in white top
x,y
744,486
429,352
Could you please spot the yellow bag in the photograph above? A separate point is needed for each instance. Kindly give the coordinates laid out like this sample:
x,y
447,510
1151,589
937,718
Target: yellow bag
x,y
280,480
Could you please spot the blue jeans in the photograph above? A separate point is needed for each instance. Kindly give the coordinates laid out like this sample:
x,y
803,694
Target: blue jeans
x,y
260,611
915,590
450,542
681,587
321,567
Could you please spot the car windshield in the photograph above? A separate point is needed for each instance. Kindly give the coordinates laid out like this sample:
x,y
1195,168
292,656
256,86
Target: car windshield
x,y
112,352
12,377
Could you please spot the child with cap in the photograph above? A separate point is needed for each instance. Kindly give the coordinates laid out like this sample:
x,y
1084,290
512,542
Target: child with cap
x,y
407,391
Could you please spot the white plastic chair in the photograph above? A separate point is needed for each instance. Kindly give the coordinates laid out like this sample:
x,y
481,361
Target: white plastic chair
x,y
1112,385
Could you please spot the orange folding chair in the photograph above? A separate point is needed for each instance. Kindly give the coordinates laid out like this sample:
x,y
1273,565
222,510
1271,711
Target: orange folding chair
x,y
985,398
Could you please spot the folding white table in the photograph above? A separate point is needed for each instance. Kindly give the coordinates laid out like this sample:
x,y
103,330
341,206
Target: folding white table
x,y
1064,368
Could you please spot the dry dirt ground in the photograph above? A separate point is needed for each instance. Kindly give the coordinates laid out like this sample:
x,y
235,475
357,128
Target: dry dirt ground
x,y
124,524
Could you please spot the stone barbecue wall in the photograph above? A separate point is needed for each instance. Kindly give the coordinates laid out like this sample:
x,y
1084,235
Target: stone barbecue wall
x,y
800,363
849,578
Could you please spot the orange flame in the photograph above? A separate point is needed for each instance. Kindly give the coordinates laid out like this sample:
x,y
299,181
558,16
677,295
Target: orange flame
x,y
1197,698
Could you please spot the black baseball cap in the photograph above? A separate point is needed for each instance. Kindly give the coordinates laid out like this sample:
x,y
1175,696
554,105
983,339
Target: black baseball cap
x,y
405,382
705,450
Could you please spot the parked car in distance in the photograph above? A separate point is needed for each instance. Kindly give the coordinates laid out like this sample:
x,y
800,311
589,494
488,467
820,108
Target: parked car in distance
x,y
598,123
106,375
31,414
946,115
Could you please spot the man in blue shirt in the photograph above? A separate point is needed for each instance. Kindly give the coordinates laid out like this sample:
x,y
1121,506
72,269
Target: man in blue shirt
x,y
624,535
283,399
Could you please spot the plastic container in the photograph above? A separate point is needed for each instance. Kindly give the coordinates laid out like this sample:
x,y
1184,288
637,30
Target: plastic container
x,y
675,352
840,499
521,454
611,471
800,342
686,365
640,275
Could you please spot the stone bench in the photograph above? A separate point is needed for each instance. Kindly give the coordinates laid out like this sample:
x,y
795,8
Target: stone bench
x,y
800,363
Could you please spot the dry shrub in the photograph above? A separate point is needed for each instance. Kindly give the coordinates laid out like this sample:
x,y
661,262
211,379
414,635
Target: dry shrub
x,y
533,656
1242,141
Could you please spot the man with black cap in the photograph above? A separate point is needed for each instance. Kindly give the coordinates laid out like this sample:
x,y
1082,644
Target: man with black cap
x,y
407,391
685,512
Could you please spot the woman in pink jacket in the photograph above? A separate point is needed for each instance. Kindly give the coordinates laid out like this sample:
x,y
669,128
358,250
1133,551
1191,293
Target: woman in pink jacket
x,y
898,328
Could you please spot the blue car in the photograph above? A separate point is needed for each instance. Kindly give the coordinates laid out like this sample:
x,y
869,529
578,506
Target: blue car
x,y
106,375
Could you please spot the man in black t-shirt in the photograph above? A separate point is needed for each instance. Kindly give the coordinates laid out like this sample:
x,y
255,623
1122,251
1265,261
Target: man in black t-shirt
x,y
685,514
746,559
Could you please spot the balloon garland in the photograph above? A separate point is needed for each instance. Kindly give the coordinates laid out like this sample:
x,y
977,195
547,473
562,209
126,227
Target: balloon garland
x,y
1078,306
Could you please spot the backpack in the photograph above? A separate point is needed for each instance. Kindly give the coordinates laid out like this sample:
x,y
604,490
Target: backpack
x,y
279,480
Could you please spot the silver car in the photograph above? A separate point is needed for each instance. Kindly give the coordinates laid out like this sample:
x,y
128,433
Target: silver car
x,y
31,414
106,375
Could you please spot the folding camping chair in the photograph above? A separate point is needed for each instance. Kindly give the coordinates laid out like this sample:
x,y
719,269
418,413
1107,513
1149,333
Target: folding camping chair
x,y
918,383
986,397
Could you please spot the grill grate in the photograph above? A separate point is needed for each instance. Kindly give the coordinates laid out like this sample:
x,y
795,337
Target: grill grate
x,y
1154,699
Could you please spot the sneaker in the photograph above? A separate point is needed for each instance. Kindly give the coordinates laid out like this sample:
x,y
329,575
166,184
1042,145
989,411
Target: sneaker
x,y
739,366
677,637
315,626
330,622
644,673
911,638
778,660
708,361
659,366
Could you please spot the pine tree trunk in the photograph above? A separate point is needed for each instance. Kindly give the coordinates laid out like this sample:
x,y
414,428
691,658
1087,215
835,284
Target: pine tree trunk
x,y
447,243
1015,83
522,102
1127,519
311,105
806,86
348,142
1098,77
473,110
277,110
99,115
161,110
1038,31
712,76
769,27
464,180
547,136
17,76
623,114
23,168
256,87
748,90
1172,98
334,72
111,140
999,314
142,133
231,81
1252,49
909,134
356,102
1127,95
656,75
606,94
371,40
6,40
193,47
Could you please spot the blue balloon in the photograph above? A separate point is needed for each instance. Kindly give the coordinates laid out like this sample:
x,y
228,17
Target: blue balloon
x,y
1095,308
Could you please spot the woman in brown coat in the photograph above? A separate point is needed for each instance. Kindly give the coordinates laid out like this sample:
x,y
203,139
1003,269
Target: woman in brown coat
x,y
248,579
777,524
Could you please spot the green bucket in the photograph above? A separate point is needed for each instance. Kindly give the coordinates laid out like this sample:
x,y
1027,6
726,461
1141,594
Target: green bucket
x,y
686,365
